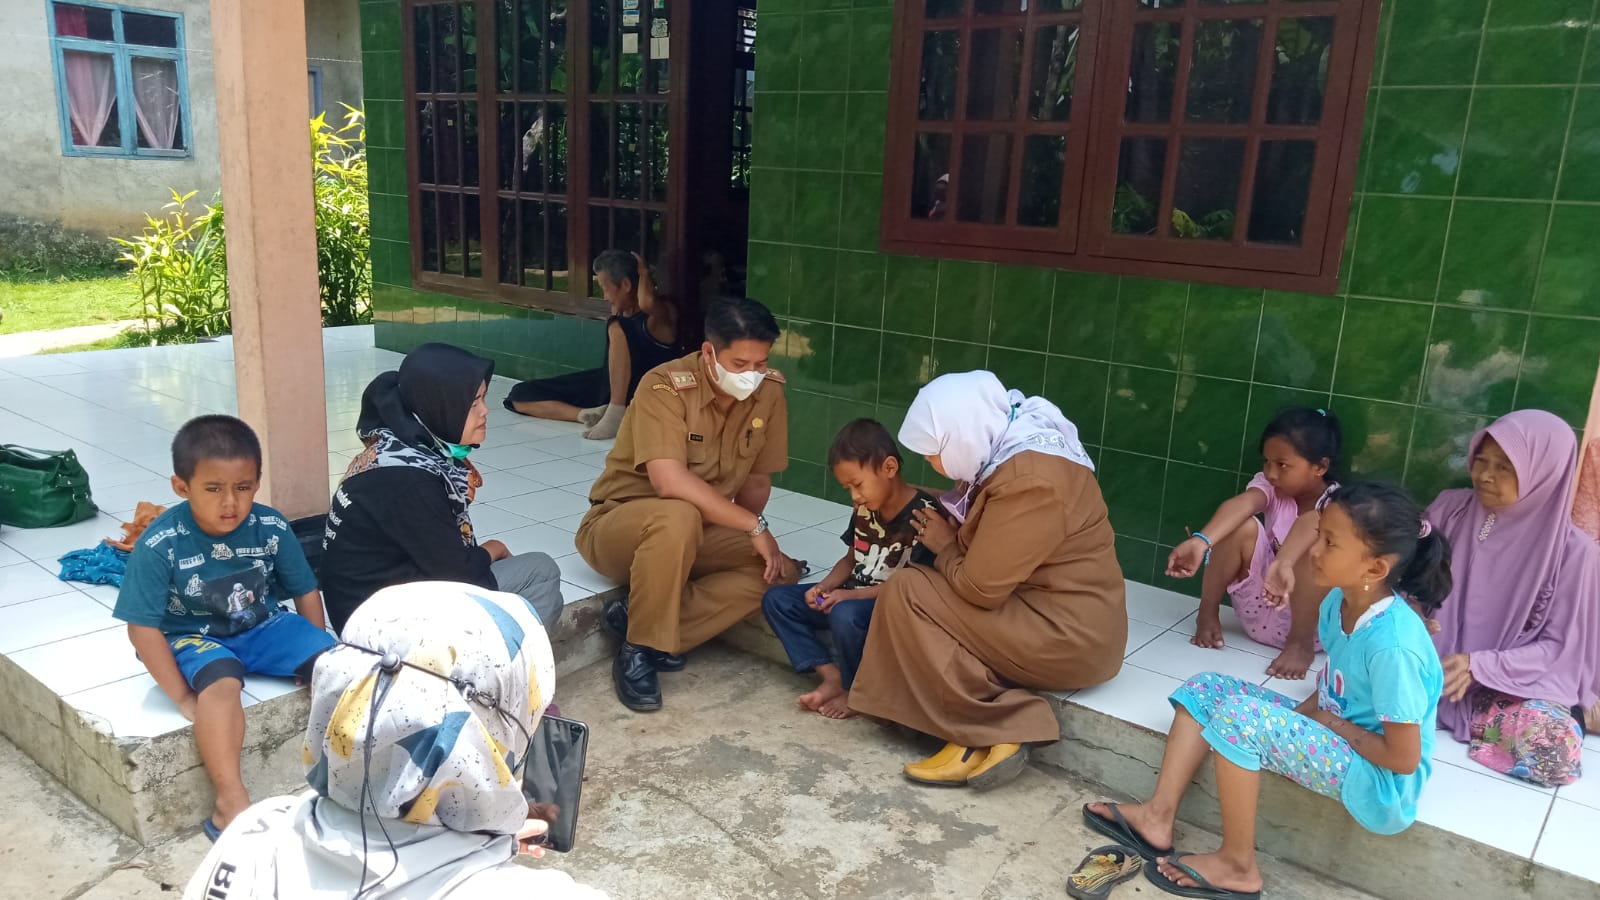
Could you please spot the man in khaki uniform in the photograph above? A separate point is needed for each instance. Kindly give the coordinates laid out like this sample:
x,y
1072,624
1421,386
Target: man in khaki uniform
x,y
677,512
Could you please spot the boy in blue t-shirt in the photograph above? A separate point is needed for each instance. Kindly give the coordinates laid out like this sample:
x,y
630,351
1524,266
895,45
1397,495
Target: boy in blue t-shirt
x,y
202,592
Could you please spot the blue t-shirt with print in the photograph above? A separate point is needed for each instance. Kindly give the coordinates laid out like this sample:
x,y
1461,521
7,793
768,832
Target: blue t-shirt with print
x,y
184,581
1385,671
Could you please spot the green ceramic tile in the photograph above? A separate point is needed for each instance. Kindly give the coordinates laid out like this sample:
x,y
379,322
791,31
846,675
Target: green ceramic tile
x,y
772,206
804,354
381,77
382,166
860,300
820,139
1534,42
1514,142
386,125
1192,494
1434,42
864,116
395,259
1591,58
802,477
907,365
1473,358
1580,174
870,35
911,285
958,356
1376,437
1570,279
1399,247
777,119
811,296
1492,257
965,297
1266,401
1438,456
1018,370
858,220
779,65
1381,354
1132,486
1078,386
1208,424
1220,329
1417,138
1022,298
1136,557
818,6
1139,410
809,444
856,353
822,36
768,276
1558,368
1083,317
1348,253
816,208
1299,337
380,29
1150,322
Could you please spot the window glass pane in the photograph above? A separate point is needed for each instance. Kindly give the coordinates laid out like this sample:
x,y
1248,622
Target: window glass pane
x,y
556,247
448,123
508,242
631,50
425,143
92,22
534,273
508,155
630,161
447,49
468,15
507,28
996,64
1044,159
930,176
450,234
941,57
1152,71
1227,2
554,154
1051,6
423,48
1222,78
654,235
1000,7
985,178
473,238
91,84
1207,190
469,143
659,149
556,46
629,232
599,241
601,26
660,47
430,231
1055,67
149,31
1141,166
1283,181
1300,73
942,9
157,104
530,26
601,141
530,140
1160,4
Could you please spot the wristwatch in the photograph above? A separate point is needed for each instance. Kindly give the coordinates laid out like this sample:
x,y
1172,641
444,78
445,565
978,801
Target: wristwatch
x,y
761,526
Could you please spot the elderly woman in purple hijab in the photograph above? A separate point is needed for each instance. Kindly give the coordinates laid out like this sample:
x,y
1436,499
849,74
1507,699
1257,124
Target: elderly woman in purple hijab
x,y
1520,633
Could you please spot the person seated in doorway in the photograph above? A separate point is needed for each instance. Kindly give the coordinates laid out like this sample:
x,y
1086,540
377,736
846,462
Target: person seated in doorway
x,y
677,512
641,334
878,540
201,597
401,511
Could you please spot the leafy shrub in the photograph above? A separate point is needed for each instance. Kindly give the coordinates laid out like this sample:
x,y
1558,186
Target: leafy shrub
x,y
41,251
344,235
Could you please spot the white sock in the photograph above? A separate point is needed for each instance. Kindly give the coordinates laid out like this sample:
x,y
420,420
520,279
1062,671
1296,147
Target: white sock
x,y
606,428
593,414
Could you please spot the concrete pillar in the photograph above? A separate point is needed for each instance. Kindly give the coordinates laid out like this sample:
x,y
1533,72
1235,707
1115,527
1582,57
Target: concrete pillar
x,y
259,50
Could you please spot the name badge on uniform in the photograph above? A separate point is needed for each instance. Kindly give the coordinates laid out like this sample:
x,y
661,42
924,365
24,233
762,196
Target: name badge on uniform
x,y
697,438
684,380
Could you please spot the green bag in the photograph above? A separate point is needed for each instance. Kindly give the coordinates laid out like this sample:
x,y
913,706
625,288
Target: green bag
x,y
43,488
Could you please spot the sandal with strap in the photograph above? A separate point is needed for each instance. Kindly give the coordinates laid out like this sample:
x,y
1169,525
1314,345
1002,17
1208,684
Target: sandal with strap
x,y
1202,889
1121,832
1103,869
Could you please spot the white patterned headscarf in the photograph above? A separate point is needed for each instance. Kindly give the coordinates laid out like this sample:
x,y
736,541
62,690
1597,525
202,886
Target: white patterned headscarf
x,y
437,740
973,424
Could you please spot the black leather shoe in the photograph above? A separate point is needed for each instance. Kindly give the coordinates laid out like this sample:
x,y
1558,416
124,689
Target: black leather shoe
x,y
634,677
614,621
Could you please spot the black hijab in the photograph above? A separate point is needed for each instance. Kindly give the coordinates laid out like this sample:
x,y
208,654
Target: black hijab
x,y
437,384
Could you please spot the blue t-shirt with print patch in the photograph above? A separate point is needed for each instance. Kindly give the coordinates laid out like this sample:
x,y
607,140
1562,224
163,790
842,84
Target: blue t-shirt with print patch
x,y
1385,671
184,581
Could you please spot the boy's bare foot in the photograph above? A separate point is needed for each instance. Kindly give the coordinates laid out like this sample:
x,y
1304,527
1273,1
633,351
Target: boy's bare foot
x,y
1207,630
826,692
838,707
1293,662
1216,869
1154,829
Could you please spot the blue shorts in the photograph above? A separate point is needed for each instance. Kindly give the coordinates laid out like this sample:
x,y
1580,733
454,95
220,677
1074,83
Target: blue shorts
x,y
284,646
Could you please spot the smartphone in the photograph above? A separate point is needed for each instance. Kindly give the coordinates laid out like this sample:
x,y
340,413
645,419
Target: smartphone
x,y
554,774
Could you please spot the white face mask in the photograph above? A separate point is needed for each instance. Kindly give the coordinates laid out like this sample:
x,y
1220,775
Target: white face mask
x,y
740,385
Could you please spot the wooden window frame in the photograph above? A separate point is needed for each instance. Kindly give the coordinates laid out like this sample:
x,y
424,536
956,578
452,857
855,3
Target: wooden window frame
x,y
1083,239
576,300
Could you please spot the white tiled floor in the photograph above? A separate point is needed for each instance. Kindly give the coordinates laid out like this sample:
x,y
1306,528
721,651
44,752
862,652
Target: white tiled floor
x,y
118,409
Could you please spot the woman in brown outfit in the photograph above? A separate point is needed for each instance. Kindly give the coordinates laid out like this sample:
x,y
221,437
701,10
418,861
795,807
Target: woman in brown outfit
x,y
1026,593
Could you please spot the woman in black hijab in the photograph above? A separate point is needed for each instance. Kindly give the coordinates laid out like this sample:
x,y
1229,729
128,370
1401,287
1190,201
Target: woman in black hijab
x,y
400,513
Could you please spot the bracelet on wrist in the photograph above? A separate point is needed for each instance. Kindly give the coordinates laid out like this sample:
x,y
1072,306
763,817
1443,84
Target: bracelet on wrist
x,y
1206,561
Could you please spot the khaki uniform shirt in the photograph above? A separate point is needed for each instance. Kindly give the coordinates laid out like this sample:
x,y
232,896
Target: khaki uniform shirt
x,y
674,416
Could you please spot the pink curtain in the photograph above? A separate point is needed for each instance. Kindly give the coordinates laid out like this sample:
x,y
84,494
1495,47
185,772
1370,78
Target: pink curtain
x,y
91,90
155,100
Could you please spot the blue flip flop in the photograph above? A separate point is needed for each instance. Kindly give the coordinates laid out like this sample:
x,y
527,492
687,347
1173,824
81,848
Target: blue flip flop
x,y
211,830
1203,889
1118,829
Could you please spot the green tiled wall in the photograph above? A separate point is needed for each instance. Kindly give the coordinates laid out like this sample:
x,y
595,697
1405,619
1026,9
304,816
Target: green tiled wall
x,y
1472,279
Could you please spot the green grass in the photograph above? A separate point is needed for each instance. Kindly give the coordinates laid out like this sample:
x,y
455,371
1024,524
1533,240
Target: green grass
x,y
115,342
49,305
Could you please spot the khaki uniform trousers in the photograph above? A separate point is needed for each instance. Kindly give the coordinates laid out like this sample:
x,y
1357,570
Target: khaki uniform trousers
x,y
687,581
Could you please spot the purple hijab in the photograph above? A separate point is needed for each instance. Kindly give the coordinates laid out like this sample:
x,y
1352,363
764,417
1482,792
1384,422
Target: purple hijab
x,y
1526,601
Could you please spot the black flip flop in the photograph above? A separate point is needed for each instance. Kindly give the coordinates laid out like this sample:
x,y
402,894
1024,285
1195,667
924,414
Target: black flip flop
x,y
1204,889
1103,869
1121,832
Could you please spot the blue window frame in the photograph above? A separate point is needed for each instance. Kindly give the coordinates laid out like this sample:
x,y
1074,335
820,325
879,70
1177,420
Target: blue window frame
x,y
122,86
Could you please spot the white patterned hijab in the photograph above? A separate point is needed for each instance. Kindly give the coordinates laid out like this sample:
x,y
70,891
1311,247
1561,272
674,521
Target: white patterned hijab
x,y
974,424
451,721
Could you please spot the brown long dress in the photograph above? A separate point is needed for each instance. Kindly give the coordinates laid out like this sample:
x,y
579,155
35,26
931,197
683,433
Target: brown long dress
x,y
1029,597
